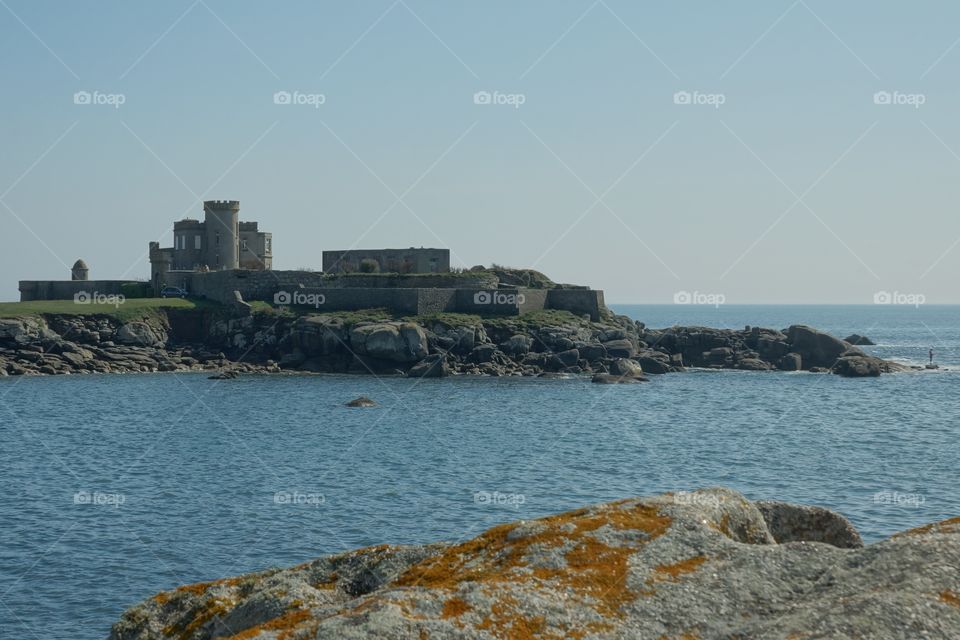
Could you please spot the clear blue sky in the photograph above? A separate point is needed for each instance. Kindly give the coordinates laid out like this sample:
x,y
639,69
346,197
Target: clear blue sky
x,y
798,188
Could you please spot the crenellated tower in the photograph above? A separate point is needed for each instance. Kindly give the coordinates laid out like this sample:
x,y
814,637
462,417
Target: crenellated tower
x,y
222,222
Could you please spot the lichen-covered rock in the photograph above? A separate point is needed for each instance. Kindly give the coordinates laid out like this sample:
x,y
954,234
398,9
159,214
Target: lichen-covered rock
x,y
698,565
396,341
21,330
433,366
140,334
797,523
626,368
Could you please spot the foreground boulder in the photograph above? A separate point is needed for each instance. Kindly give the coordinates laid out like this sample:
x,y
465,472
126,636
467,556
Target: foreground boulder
x,y
703,565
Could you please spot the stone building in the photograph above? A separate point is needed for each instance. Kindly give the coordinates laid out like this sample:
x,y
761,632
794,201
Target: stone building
x,y
410,260
80,271
217,243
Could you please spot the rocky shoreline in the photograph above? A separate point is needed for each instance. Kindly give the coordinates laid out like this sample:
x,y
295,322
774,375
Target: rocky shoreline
x,y
613,350
707,564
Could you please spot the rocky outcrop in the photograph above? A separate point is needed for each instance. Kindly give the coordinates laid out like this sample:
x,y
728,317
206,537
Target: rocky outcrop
x,y
566,345
796,348
816,348
75,344
396,341
857,340
708,564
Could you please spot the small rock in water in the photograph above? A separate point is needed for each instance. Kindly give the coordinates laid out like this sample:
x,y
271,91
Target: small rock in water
x,y
362,401
223,375
858,340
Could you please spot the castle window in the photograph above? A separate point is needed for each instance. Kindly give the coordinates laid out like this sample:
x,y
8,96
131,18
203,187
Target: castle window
x,y
243,245
196,242
269,242
218,239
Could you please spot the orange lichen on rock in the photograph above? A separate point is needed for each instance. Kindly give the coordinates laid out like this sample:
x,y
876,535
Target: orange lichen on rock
x,y
491,557
595,571
674,571
950,598
944,526
294,620
199,616
454,608
505,622
328,584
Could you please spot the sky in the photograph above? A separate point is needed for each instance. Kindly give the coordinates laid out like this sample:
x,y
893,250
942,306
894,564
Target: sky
x,y
768,151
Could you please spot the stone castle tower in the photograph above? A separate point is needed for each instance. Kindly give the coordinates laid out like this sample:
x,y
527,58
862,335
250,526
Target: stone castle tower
x,y
219,242
222,221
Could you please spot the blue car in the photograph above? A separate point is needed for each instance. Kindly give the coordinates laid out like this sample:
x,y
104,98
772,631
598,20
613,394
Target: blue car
x,y
173,292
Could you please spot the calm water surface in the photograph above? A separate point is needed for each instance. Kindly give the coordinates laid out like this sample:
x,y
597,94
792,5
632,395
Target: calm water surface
x,y
117,486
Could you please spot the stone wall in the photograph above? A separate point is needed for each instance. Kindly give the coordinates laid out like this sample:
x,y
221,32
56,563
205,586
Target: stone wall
x,y
408,294
67,289
577,301
508,302
410,260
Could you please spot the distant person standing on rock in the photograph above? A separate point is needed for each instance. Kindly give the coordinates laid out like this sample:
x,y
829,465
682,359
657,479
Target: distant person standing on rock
x,y
931,356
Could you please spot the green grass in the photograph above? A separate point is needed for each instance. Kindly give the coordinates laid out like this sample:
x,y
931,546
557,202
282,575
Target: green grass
x,y
131,308
449,319
538,318
349,317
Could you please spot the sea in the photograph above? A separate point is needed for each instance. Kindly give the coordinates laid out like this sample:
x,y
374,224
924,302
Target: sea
x,y
115,487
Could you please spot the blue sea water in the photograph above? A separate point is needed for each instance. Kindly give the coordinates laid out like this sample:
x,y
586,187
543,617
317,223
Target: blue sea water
x,y
118,486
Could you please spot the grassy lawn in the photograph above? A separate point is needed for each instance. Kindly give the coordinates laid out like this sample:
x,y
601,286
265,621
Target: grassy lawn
x,y
131,308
